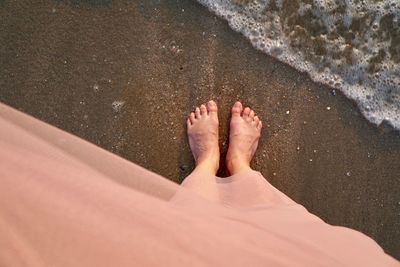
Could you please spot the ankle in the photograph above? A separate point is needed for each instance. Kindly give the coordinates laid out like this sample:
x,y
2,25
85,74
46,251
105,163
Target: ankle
x,y
237,164
208,165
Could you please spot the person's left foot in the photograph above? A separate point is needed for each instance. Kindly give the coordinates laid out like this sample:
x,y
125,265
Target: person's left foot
x,y
202,128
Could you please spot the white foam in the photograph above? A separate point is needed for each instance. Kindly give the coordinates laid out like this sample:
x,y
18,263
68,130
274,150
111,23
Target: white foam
x,y
347,50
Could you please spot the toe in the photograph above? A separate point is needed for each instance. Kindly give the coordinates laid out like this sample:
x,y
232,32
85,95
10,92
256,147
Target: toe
x,y
212,106
197,113
203,110
256,120
212,109
192,117
251,115
259,126
246,112
188,122
237,109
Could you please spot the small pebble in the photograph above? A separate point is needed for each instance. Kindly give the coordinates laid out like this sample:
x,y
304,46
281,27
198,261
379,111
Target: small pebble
x,y
287,112
328,108
184,167
348,174
117,106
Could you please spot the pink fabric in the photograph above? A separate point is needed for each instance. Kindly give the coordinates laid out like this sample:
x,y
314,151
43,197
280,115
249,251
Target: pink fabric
x,y
65,202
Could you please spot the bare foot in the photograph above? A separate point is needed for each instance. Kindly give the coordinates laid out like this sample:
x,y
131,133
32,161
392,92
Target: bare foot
x,y
202,128
245,130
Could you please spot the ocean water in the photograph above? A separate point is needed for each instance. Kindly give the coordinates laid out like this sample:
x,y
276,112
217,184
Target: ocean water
x,y
350,45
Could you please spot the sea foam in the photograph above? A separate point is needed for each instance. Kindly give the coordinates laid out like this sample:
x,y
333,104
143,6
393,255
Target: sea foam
x,y
350,45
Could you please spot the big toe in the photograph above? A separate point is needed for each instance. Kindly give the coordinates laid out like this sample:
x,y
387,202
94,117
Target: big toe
x,y
212,109
237,109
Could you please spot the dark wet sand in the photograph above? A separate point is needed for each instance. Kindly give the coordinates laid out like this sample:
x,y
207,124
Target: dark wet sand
x,y
67,63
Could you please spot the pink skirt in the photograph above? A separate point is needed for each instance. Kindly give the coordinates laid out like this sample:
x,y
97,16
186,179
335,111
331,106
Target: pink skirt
x,y
66,202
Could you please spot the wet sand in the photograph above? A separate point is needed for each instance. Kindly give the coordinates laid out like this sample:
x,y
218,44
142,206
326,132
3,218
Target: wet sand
x,y
67,64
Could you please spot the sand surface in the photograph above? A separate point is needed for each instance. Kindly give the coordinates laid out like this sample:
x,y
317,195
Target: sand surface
x,y
124,76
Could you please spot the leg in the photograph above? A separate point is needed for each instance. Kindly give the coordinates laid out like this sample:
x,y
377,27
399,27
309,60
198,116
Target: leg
x,y
245,187
202,127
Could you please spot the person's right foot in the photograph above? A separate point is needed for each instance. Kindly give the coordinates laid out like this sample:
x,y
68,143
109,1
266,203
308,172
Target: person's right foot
x,y
245,130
